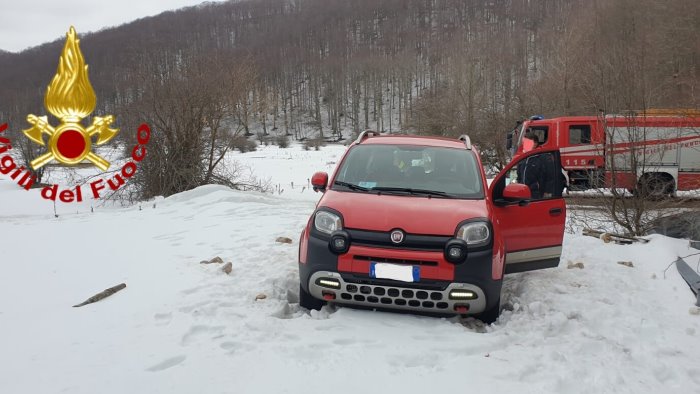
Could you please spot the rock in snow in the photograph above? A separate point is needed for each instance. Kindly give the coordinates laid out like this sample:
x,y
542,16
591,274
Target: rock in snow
x,y
215,260
571,265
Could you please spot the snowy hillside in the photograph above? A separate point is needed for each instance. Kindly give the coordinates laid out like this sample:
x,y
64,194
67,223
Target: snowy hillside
x,y
185,327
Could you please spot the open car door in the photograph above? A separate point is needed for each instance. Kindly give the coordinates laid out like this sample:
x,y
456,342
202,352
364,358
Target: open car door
x,y
530,210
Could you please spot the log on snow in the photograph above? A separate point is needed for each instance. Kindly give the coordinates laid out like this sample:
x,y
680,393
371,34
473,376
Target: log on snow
x,y
617,238
102,295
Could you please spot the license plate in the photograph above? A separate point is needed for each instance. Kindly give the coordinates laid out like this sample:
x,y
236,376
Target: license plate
x,y
403,273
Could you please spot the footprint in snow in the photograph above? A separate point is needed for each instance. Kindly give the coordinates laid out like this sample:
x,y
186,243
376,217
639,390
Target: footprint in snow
x,y
287,311
344,341
165,364
199,331
163,318
230,346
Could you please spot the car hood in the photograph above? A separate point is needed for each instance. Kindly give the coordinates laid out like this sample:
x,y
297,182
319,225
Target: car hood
x,y
412,214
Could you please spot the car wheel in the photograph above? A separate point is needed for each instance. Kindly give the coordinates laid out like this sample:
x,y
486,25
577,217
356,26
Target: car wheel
x,y
490,315
308,301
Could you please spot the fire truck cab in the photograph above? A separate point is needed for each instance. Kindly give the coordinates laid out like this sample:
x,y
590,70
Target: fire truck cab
x,y
654,153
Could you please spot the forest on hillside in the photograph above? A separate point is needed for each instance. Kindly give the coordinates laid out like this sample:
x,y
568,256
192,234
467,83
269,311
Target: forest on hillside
x,y
330,68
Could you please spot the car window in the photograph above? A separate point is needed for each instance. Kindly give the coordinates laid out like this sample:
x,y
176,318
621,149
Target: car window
x,y
541,173
452,171
540,132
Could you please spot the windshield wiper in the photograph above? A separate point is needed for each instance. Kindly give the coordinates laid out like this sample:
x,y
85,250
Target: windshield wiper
x,y
351,186
413,191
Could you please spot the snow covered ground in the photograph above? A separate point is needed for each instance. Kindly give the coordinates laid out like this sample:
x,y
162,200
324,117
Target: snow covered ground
x,y
184,327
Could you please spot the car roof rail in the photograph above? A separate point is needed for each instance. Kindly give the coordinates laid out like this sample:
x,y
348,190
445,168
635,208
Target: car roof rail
x,y
366,134
467,141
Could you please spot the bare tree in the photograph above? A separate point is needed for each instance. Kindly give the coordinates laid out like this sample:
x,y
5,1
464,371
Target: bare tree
x,y
326,67
192,112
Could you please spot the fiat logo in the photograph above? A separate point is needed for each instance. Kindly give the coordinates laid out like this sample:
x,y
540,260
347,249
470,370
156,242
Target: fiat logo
x,y
397,236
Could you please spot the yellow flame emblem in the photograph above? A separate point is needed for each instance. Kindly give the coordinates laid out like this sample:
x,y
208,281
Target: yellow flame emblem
x,y
70,98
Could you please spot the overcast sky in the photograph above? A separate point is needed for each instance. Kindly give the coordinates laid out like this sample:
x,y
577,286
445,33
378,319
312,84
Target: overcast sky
x,y
27,23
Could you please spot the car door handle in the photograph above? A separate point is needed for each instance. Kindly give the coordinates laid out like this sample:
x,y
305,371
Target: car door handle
x,y
555,211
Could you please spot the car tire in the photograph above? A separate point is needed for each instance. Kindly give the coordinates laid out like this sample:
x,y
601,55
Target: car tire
x,y
490,315
308,301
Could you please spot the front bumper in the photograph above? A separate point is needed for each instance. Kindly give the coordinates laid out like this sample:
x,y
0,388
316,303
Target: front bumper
x,y
426,296
374,294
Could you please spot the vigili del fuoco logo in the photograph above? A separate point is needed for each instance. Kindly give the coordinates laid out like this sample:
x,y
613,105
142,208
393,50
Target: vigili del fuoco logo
x,y
71,98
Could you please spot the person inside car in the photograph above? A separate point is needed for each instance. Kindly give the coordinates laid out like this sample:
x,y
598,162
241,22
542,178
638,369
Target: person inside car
x,y
382,170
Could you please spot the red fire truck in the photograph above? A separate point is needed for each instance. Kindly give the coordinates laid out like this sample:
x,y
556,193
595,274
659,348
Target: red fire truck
x,y
655,153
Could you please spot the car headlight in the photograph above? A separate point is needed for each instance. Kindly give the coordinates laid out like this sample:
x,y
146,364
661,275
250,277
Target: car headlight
x,y
327,222
475,233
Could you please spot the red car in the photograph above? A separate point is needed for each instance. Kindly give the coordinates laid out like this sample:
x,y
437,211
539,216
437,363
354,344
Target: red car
x,y
409,223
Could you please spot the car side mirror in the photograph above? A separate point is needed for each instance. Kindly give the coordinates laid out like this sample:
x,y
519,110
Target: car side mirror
x,y
517,192
319,181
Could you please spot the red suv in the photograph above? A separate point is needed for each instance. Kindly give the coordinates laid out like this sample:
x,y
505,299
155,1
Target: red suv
x,y
409,223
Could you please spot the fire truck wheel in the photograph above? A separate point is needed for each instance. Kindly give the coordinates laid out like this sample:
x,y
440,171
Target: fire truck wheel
x,y
308,301
656,185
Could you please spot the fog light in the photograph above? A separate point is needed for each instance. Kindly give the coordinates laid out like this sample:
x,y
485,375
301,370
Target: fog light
x,y
339,242
330,283
462,295
455,252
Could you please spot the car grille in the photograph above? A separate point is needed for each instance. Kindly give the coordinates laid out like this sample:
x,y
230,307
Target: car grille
x,y
375,293
385,295
411,241
395,261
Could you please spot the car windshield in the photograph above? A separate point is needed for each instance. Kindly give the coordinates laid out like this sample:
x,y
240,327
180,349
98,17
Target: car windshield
x,y
413,170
